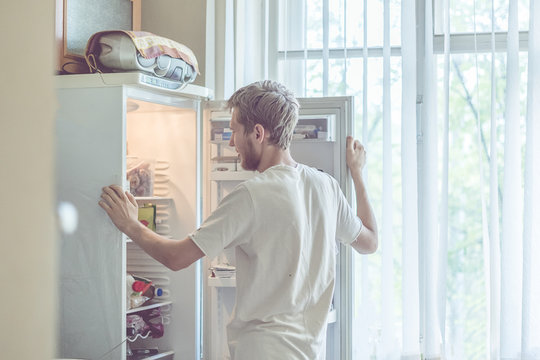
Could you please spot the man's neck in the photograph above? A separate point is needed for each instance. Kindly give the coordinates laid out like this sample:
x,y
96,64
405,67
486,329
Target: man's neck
x,y
272,156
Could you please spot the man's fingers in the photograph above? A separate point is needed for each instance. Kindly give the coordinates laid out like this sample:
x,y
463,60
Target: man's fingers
x,y
113,194
109,195
131,198
349,142
358,146
354,145
118,190
108,200
104,206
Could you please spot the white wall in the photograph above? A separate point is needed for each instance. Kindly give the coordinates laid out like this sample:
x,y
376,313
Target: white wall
x,y
27,228
182,21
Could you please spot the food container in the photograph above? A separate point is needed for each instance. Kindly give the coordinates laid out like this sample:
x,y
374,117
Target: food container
x,y
140,175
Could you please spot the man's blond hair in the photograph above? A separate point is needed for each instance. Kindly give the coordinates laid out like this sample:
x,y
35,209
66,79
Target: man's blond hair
x,y
270,104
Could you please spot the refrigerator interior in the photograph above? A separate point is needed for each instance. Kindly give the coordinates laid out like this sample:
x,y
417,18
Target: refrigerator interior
x,y
314,145
167,136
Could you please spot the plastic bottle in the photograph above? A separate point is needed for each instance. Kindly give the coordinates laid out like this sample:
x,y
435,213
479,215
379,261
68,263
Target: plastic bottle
x,y
151,292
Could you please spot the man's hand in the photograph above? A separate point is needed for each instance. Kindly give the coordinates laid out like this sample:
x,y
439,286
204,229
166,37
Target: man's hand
x,y
121,208
355,155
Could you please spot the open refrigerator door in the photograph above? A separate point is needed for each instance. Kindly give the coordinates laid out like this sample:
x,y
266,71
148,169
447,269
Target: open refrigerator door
x,y
318,141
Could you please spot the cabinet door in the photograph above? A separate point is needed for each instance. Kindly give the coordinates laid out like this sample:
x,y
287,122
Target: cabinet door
x,y
90,133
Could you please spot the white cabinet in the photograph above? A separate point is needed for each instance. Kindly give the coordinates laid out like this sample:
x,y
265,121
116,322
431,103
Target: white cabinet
x,y
102,119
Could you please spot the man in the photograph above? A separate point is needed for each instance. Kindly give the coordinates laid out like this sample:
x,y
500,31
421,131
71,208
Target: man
x,y
283,224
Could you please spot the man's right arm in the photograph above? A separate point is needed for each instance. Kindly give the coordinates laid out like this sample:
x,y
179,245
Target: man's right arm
x,y
367,241
122,209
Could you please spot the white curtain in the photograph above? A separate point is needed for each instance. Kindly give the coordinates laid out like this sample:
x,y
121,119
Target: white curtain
x,y
410,293
494,254
429,200
237,42
530,338
246,50
388,339
512,205
510,255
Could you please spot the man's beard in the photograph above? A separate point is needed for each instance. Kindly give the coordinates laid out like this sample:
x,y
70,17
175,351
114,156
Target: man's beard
x,y
249,161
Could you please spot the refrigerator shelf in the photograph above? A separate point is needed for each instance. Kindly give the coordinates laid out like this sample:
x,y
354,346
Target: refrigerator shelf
x,y
151,306
155,199
221,116
128,240
159,356
221,142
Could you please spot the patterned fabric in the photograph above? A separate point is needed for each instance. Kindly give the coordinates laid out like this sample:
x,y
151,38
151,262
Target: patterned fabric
x,y
149,46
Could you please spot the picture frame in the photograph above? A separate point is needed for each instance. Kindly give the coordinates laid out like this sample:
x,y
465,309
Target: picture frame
x,y
77,20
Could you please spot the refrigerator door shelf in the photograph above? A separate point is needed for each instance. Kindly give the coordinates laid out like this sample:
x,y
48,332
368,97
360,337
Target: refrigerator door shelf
x,y
323,139
147,307
316,127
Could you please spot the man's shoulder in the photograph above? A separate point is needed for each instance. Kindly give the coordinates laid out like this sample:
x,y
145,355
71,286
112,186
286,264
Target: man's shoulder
x,y
317,174
282,175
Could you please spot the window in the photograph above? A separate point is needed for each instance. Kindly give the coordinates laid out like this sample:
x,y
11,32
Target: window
x,y
473,153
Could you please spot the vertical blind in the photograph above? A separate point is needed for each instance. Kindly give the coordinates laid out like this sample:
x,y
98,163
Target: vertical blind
x,y
410,287
512,207
530,341
442,115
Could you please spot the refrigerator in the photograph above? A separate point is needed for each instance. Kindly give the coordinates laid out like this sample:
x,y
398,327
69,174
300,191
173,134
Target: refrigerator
x,y
109,126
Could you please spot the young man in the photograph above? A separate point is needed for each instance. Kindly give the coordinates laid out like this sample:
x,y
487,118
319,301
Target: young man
x,y
283,224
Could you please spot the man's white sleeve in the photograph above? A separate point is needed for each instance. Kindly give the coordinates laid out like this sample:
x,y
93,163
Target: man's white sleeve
x,y
228,226
348,225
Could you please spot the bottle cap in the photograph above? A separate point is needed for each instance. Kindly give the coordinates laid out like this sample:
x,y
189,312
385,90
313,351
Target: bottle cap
x,y
159,292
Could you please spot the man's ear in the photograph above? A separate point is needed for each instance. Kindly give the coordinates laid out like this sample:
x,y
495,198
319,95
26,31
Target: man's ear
x,y
259,132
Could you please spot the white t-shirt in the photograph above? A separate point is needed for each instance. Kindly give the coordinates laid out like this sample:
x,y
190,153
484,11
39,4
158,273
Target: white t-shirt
x,y
284,224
